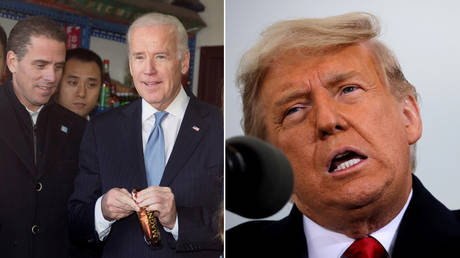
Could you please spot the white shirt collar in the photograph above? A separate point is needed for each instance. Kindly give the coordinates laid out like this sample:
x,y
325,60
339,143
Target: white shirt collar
x,y
323,242
176,108
34,114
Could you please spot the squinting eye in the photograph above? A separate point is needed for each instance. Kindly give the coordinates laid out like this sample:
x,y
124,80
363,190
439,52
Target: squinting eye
x,y
139,58
349,89
292,110
161,57
91,85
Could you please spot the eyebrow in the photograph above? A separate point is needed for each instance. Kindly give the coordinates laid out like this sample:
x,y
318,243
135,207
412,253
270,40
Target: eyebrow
x,y
330,80
78,77
137,53
335,79
41,61
46,62
290,96
165,52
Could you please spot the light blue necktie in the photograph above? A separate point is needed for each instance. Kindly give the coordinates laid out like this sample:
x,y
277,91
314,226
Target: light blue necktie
x,y
154,155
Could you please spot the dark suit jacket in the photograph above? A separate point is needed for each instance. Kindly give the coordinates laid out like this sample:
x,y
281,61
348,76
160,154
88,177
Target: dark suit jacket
x,y
427,229
36,194
112,156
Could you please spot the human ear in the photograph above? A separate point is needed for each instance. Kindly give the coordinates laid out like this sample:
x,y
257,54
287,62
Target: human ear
x,y
12,61
130,66
412,119
185,62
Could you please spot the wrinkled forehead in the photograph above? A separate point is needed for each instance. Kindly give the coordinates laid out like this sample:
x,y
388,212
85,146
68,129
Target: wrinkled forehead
x,y
153,35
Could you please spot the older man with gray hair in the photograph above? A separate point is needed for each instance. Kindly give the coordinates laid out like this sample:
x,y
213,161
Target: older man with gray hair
x,y
334,99
160,157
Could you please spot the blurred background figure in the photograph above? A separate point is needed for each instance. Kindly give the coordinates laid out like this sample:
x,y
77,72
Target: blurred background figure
x,y
81,83
2,55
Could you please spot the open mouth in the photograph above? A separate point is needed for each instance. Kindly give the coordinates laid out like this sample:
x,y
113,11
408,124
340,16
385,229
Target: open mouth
x,y
46,88
345,160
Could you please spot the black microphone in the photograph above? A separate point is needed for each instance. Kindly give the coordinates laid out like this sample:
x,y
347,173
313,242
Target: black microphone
x,y
258,179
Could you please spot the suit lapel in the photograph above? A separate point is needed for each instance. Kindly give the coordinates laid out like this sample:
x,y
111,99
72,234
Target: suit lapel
x,y
194,126
426,224
294,235
55,131
50,139
286,236
132,138
12,134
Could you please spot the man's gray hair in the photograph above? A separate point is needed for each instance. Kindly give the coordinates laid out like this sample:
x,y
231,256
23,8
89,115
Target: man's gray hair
x,y
150,19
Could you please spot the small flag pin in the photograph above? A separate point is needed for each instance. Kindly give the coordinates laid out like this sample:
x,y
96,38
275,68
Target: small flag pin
x,y
196,128
64,129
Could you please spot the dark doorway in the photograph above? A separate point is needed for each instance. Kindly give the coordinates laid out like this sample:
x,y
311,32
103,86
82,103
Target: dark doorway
x,y
211,75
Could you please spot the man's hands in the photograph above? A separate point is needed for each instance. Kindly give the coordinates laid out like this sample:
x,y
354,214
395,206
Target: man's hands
x,y
161,201
118,203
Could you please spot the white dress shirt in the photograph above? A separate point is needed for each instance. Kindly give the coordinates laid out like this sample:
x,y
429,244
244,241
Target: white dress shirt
x,y
171,125
323,242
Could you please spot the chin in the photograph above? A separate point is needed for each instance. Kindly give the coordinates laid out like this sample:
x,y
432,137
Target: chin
x,y
42,100
78,112
361,196
153,100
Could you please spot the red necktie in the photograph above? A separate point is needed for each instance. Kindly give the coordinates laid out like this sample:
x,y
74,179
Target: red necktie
x,y
367,247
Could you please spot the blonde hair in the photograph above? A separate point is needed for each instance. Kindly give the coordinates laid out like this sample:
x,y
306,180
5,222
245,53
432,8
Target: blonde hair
x,y
313,37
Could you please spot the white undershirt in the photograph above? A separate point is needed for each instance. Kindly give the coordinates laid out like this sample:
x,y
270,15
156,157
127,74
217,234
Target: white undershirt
x,y
323,242
170,125
34,114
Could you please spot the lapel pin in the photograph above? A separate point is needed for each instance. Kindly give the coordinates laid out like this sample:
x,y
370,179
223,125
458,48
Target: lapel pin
x,y
64,129
196,128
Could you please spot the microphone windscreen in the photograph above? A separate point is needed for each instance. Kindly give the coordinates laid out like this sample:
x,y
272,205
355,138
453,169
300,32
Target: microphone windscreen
x,y
258,179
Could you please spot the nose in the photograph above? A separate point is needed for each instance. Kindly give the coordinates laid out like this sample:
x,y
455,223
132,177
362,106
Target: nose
x,y
81,90
51,75
327,114
150,67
